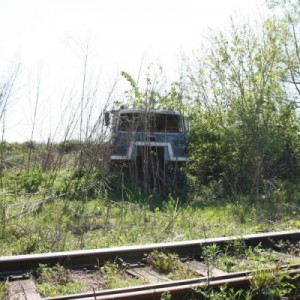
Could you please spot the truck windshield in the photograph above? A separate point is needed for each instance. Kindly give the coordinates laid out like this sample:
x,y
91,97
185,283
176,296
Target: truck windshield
x,y
150,122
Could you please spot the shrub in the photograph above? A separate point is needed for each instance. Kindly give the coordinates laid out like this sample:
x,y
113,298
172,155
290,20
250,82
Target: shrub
x,y
83,183
26,181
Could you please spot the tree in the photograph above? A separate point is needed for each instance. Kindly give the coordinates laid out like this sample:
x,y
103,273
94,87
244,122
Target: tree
x,y
288,11
244,128
154,94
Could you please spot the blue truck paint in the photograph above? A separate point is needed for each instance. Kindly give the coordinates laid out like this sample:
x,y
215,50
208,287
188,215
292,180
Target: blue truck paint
x,y
161,131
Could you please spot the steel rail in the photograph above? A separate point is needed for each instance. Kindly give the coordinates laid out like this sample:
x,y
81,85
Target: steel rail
x,y
19,264
178,288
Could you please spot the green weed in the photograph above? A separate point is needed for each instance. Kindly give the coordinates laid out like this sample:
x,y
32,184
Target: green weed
x,y
163,262
3,290
170,264
84,183
101,222
271,284
235,257
56,281
115,277
225,293
166,296
26,181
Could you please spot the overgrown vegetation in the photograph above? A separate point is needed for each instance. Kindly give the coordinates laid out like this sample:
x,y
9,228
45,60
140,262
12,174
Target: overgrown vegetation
x,y
170,265
236,257
115,277
241,99
245,122
3,290
268,280
56,281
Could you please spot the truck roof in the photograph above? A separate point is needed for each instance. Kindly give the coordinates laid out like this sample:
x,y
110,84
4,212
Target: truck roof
x,y
147,111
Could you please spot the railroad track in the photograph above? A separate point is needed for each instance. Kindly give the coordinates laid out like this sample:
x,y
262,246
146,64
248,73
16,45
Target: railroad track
x,y
198,258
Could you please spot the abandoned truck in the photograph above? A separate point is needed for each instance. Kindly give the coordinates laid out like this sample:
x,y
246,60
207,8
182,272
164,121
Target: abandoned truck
x,y
149,145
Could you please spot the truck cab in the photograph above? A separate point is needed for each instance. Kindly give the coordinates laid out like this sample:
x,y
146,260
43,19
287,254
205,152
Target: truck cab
x,y
149,143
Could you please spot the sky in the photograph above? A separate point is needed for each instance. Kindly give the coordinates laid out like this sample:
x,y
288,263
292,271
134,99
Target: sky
x,y
52,38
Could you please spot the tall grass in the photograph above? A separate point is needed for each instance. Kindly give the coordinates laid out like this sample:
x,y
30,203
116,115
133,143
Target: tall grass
x,y
59,195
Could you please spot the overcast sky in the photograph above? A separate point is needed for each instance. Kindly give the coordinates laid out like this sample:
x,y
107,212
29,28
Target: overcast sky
x,y
49,39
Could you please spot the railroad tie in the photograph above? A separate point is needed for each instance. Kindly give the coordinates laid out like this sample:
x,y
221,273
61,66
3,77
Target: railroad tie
x,y
23,290
203,269
147,273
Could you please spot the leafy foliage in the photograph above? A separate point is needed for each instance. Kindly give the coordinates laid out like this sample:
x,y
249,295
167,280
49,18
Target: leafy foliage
x,y
3,290
153,95
271,284
26,181
243,129
115,277
56,281
84,183
170,264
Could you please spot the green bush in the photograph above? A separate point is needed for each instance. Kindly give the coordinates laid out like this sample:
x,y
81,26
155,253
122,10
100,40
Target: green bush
x,y
26,181
83,183
56,281
245,125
